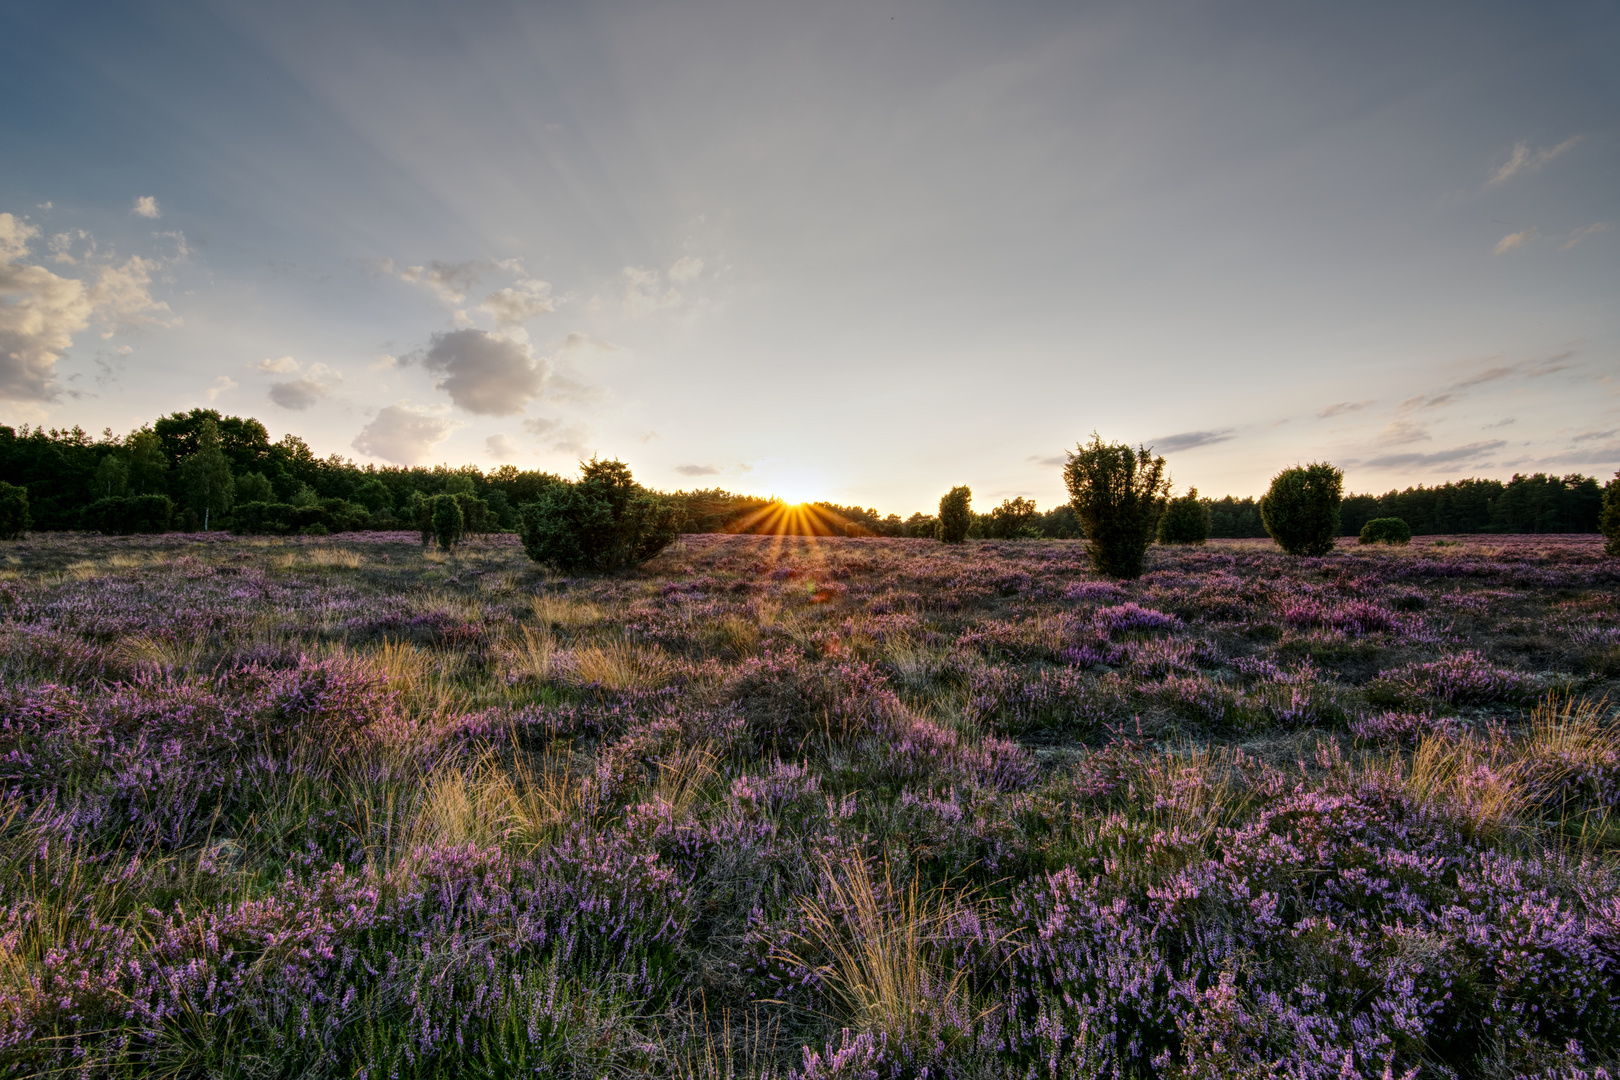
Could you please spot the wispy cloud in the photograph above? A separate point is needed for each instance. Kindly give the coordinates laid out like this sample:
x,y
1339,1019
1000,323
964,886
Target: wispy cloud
x,y
451,281
1471,452
1053,459
1187,440
221,384
1582,233
146,206
1525,161
697,470
502,447
570,438
1515,240
1343,407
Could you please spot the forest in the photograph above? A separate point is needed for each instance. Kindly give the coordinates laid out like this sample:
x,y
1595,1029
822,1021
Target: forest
x,y
140,483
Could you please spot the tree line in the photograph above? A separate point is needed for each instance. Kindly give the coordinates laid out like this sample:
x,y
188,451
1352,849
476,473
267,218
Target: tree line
x,y
204,470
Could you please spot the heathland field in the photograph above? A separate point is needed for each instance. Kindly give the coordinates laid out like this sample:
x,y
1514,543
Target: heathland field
x,y
778,806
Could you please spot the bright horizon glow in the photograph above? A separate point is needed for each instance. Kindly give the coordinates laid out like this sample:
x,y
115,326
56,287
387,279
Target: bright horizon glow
x,y
1249,235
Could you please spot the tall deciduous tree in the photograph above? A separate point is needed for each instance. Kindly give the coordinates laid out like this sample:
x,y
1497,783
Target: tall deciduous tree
x,y
206,475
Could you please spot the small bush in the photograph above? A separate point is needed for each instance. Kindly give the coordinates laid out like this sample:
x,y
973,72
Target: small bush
x,y
316,529
604,521
448,522
1609,519
1186,520
14,517
1390,530
955,514
1014,519
122,515
1301,511
1118,494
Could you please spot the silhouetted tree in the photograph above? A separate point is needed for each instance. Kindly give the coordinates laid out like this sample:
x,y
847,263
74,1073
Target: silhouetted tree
x,y
955,514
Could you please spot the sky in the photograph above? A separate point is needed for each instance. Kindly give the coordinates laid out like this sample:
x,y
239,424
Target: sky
x,y
859,252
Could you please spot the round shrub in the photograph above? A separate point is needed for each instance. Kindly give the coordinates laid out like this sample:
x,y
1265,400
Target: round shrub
x,y
1118,494
14,517
1186,520
1390,530
1301,511
448,522
955,514
604,521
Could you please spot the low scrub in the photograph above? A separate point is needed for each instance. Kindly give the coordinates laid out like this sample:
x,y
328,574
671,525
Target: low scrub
x,y
604,521
1388,530
1301,510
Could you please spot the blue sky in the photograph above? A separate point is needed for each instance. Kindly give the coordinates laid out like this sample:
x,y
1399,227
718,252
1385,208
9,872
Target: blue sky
x,y
853,251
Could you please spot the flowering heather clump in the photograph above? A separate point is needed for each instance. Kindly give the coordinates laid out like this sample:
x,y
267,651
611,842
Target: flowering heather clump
x,y
1464,678
348,807
1132,618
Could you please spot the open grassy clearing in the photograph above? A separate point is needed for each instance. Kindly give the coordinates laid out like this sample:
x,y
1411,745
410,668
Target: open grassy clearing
x,y
837,808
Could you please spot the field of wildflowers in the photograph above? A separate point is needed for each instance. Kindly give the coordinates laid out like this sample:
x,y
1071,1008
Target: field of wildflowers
x,y
813,808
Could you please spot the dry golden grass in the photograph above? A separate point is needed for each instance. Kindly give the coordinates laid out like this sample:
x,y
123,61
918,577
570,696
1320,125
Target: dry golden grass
x,y
618,665
144,651
737,634
683,774
551,610
1576,732
915,666
878,948
522,805
1468,776
533,655
729,1050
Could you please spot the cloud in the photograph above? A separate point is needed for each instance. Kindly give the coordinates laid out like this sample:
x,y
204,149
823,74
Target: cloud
x,y
1606,454
1439,457
1582,233
1403,429
642,295
697,470
39,314
1490,374
450,281
383,363
1343,407
1513,240
403,435
41,311
221,384
1589,436
484,373
297,394
502,447
517,304
1055,459
1525,161
686,269
571,438
1187,440
146,206
122,299
281,365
